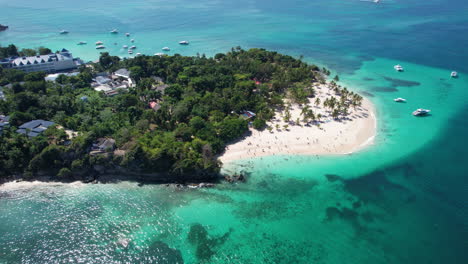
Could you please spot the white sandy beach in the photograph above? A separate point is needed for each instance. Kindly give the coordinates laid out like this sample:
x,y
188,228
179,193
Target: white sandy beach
x,y
331,138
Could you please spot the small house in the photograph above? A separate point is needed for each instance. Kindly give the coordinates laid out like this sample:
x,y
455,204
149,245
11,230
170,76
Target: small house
x,y
104,144
34,128
247,114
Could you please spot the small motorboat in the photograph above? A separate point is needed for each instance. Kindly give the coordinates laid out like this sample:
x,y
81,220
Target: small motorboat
x,y
114,31
399,100
133,47
398,68
82,43
125,46
127,34
100,47
99,43
166,49
454,74
184,42
63,32
421,112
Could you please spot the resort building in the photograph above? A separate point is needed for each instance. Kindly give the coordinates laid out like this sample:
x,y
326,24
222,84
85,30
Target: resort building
x,y
34,128
53,62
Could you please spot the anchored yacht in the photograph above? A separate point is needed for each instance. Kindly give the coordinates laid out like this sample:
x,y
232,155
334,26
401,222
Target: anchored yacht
x,y
127,34
114,31
100,47
399,100
62,32
99,43
454,74
398,67
166,49
421,112
184,42
82,43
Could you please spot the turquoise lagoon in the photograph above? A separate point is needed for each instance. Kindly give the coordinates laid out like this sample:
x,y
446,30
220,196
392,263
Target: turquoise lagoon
x,y
401,200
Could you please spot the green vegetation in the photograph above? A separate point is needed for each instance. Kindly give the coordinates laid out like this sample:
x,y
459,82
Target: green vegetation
x,y
199,112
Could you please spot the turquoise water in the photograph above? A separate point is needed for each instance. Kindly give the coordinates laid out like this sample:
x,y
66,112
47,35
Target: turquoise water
x,y
402,200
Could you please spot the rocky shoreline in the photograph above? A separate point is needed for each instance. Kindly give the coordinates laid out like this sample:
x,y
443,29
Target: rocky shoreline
x,y
105,175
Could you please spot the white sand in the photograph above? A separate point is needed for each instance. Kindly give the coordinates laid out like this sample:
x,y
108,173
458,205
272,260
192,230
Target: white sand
x,y
331,138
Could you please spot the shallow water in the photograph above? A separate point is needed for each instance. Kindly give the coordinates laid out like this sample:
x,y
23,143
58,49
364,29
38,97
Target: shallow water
x,y
402,200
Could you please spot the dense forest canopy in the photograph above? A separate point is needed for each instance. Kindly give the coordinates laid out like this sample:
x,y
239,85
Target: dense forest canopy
x,y
199,111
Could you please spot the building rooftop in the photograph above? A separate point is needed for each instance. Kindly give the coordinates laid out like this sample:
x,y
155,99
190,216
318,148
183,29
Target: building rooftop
x,y
123,73
53,77
34,127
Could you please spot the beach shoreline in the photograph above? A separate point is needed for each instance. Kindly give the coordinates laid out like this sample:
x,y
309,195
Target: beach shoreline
x,y
331,137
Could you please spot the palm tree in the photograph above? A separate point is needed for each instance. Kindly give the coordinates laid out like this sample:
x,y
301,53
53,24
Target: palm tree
x,y
317,102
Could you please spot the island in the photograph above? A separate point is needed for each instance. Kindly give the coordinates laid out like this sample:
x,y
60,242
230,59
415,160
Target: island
x,y
170,118
3,28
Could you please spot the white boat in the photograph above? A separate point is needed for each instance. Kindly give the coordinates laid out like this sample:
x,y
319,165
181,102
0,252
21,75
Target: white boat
x,y
138,54
82,43
125,46
421,112
159,54
62,32
399,100
166,49
114,31
127,34
376,1
130,51
132,40
454,74
133,47
99,43
398,67
184,42
100,47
